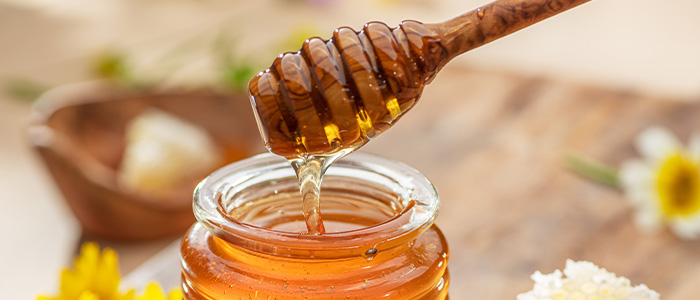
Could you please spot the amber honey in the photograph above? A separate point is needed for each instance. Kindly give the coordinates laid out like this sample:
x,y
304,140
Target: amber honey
x,y
339,93
251,241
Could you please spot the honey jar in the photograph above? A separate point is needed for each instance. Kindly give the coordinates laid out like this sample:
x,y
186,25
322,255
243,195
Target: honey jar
x,y
250,241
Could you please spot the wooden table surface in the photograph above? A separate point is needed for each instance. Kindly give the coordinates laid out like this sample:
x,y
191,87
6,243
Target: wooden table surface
x,y
494,145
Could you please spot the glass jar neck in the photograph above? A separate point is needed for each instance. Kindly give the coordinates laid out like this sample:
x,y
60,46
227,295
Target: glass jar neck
x,y
408,201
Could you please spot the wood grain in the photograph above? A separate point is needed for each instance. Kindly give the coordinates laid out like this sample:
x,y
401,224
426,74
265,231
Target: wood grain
x,y
493,145
495,20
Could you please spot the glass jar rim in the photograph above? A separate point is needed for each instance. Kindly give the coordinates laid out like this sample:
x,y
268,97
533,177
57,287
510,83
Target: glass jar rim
x,y
418,195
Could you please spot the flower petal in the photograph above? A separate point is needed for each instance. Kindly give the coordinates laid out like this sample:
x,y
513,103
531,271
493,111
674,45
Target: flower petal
x,y
88,295
175,294
648,220
643,292
686,227
694,148
656,143
526,296
635,173
637,181
583,270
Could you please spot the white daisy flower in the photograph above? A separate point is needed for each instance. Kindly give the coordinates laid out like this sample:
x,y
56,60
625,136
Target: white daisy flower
x,y
664,185
585,281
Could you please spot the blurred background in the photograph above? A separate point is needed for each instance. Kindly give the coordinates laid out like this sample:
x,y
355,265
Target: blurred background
x,y
631,47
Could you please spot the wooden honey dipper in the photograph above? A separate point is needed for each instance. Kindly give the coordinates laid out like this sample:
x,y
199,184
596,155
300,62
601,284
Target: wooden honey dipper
x,y
336,94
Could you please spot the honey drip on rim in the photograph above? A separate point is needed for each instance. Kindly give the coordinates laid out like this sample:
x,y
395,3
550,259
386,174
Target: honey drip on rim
x,y
331,97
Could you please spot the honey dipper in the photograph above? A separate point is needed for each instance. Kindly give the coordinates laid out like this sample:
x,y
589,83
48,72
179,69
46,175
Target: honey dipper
x,y
337,94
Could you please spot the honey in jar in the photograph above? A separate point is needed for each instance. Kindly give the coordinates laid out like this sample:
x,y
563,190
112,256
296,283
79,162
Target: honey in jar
x,y
251,239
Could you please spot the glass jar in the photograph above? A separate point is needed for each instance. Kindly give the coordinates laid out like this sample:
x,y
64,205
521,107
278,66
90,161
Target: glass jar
x,y
249,242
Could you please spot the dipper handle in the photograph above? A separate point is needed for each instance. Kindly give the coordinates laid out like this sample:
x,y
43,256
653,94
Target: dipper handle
x,y
495,20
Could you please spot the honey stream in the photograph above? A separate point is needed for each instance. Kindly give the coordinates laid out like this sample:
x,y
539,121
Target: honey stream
x,y
310,172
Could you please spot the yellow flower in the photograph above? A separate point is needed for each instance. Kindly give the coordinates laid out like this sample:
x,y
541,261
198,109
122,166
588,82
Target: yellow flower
x,y
94,276
664,186
585,280
154,292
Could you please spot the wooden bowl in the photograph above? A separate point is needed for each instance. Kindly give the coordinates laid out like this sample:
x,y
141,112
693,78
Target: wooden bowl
x,y
79,131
